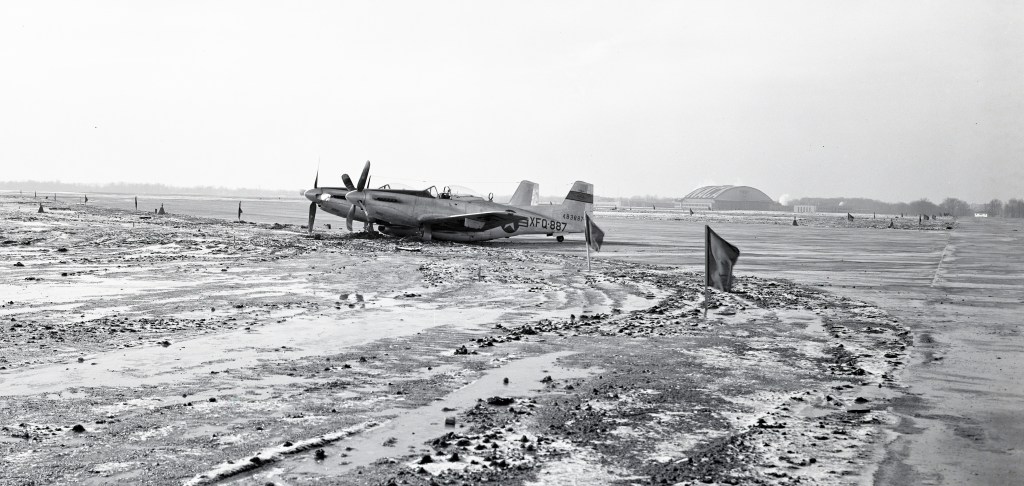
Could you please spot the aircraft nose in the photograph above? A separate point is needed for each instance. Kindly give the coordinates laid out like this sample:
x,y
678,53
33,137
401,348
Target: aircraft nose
x,y
354,197
311,194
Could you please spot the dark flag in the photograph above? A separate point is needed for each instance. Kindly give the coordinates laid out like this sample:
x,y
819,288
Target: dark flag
x,y
239,210
136,203
849,217
719,258
87,199
691,212
594,235
40,208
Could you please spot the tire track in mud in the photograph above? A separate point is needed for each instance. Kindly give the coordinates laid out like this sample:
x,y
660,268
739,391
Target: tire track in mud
x,y
619,419
668,396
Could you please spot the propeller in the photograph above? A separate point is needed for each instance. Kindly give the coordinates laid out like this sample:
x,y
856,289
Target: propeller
x,y
312,205
364,177
312,216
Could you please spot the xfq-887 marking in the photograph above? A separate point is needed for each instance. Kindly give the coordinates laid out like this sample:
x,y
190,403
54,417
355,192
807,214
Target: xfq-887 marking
x,y
548,224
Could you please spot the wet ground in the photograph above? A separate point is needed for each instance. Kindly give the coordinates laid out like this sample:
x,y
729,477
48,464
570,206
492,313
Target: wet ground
x,y
177,349
960,291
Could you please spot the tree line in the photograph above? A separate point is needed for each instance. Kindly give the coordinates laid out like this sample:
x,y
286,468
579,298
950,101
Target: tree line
x,y
950,206
1014,208
137,188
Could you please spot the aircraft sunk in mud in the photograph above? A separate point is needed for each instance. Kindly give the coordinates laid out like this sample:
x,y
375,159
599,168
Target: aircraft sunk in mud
x,y
444,215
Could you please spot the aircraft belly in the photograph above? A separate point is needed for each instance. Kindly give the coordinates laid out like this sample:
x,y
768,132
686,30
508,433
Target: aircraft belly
x,y
468,236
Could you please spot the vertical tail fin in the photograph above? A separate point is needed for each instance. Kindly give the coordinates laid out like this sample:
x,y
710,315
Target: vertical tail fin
x,y
580,200
527,194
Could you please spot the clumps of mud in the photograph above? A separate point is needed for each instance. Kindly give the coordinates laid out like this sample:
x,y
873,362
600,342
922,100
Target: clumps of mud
x,y
654,415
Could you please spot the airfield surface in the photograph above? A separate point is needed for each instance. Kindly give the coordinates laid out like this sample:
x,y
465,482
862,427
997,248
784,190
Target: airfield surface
x,y
178,349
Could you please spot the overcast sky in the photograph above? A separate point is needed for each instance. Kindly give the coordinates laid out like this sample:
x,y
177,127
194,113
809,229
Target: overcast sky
x,y
895,100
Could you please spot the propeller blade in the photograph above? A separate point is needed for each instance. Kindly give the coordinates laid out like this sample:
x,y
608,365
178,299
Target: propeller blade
x,y
369,219
351,214
315,181
348,182
362,177
312,216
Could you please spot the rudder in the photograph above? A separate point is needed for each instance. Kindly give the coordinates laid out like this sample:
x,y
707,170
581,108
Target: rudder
x,y
580,200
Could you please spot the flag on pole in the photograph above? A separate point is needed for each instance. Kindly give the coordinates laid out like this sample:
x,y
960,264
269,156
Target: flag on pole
x,y
594,235
87,199
239,210
136,203
719,258
691,212
849,217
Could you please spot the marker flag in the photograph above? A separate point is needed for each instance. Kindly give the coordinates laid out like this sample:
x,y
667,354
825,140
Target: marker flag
x,y
239,209
719,258
594,235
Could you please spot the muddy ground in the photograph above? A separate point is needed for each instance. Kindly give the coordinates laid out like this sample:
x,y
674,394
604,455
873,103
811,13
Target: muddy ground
x,y
139,349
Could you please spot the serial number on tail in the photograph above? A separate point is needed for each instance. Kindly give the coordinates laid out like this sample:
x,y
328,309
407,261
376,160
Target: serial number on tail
x,y
548,224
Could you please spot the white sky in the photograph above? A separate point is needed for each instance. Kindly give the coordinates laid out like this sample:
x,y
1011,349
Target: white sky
x,y
894,100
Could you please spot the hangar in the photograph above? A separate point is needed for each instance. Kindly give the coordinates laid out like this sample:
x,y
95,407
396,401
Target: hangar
x,y
729,198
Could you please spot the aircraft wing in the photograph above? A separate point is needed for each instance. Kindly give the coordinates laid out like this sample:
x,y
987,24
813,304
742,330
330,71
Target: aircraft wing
x,y
473,221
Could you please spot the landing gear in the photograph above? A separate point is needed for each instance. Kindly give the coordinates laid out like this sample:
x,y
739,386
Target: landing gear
x,y
560,238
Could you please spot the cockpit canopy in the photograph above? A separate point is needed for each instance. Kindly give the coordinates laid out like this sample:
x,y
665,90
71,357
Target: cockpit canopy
x,y
449,192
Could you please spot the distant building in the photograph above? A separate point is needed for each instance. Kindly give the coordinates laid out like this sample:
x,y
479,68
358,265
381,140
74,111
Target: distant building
x,y
729,198
804,208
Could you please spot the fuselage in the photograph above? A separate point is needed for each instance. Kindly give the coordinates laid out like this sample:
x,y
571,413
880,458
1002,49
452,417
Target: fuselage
x,y
405,213
445,216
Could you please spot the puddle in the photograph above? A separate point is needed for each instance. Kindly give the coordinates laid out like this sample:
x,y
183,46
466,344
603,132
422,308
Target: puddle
x,y
412,428
294,338
810,411
85,288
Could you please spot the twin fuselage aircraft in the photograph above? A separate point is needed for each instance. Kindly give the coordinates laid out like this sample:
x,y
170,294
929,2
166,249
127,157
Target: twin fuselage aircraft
x,y
430,214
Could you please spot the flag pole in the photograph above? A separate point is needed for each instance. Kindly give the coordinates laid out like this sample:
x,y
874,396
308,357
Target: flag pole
x,y
588,256
707,249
